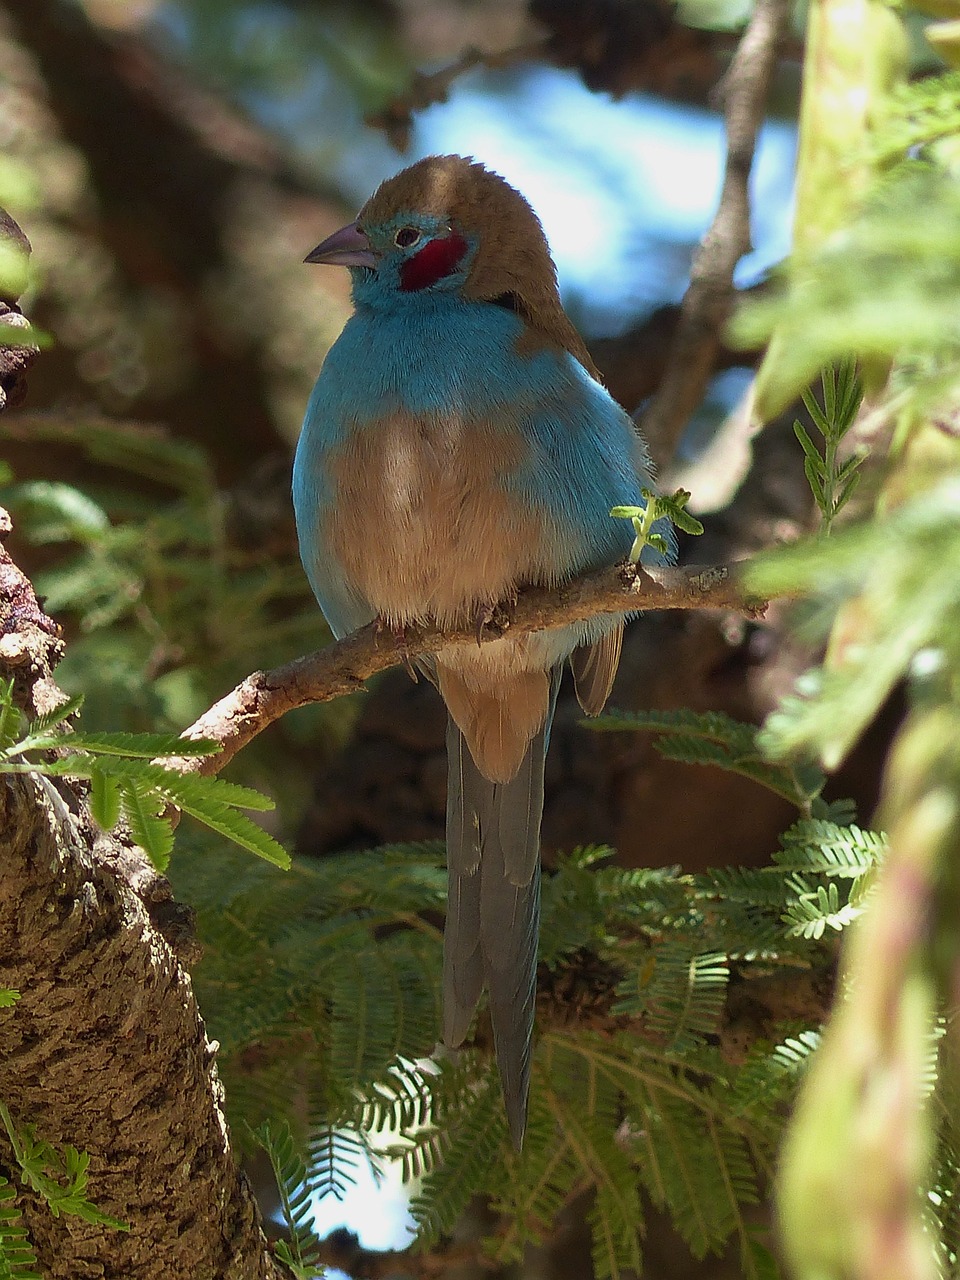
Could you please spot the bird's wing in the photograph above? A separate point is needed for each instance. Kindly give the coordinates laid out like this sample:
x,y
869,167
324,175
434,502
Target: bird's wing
x,y
594,667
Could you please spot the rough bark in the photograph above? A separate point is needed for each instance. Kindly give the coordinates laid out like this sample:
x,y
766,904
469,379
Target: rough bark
x,y
106,1050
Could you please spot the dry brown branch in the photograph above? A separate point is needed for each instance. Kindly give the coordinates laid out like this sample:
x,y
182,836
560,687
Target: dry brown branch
x,y
708,299
319,677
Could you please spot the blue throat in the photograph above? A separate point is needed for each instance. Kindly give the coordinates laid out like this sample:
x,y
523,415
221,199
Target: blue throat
x,y
433,352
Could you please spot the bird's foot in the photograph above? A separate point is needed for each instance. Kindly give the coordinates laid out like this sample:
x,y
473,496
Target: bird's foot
x,y
399,632
494,617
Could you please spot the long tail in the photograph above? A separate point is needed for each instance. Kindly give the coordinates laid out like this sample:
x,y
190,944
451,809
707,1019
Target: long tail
x,y
493,906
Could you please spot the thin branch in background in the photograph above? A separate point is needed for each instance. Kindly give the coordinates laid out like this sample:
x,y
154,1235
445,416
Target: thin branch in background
x,y
707,302
342,668
428,88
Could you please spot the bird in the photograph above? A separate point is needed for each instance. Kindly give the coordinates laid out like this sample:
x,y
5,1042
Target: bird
x,y
459,444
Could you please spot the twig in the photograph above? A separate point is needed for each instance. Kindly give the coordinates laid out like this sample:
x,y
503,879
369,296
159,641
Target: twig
x,y
707,302
319,677
428,88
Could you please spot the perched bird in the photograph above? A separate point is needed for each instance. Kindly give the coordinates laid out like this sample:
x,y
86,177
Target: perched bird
x,y
457,445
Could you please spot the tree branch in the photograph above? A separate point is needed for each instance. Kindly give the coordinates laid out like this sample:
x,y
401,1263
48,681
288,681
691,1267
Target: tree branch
x,y
342,668
708,299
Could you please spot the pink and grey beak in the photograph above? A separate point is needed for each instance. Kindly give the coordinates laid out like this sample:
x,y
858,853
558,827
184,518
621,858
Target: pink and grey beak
x,y
348,247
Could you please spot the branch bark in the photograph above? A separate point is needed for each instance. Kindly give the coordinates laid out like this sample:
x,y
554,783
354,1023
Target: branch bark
x,y
707,303
342,668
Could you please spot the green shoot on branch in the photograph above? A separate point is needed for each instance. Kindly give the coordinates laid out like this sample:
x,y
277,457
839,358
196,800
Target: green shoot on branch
x,y
658,507
832,481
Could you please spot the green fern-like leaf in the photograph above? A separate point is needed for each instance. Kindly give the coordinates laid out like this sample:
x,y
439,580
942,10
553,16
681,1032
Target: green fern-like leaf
x,y
818,846
145,746
585,1111
420,1103
572,910
681,995
18,1261
58,1175
126,782
712,725
57,715
693,1181
381,1007
302,1252
760,887
817,908
540,1182
334,1155
403,1101
768,1078
476,1145
143,812
712,738
916,115
146,789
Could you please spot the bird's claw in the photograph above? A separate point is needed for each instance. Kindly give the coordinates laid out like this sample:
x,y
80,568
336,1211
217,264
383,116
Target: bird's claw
x,y
399,633
495,616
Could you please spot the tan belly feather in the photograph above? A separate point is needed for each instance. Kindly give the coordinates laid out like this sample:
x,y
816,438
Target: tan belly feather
x,y
424,529
421,523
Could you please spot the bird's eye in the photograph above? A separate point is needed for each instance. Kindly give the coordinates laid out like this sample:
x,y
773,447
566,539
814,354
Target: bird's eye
x,y
406,237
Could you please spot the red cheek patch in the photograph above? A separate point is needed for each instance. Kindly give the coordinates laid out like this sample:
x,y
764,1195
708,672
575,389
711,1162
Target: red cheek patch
x,y
434,261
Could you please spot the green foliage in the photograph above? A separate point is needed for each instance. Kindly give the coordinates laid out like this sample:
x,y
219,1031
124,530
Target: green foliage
x,y
17,1258
921,116
8,997
335,965
900,575
713,738
873,1133
126,784
474,1142
832,480
301,1253
880,291
172,587
323,988
60,1177
657,508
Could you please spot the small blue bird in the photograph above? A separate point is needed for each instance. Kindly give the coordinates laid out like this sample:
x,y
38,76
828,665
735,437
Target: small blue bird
x,y
457,445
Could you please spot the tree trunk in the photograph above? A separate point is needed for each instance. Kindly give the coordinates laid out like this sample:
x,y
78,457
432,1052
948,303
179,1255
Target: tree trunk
x,y
105,1049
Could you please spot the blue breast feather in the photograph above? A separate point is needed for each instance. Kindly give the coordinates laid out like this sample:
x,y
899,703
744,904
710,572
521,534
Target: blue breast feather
x,y
451,356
